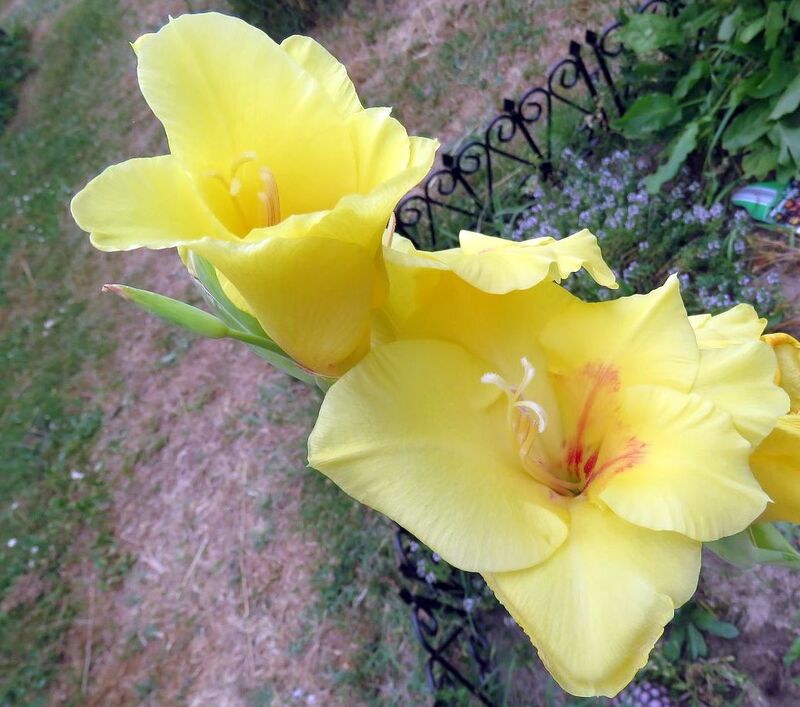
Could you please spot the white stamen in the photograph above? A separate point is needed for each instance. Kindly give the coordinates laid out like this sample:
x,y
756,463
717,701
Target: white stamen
x,y
528,407
530,372
494,379
236,186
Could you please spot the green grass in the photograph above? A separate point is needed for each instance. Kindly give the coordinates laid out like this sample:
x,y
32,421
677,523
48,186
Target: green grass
x,y
15,65
357,585
52,501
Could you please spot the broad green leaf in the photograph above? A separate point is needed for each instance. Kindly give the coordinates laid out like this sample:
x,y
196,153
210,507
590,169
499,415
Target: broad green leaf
x,y
729,24
760,160
747,127
687,82
793,11
760,544
787,139
773,25
749,32
776,79
697,644
788,101
648,114
648,32
702,21
678,152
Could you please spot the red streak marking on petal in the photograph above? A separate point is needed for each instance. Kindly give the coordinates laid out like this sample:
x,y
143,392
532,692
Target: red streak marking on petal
x,y
603,376
634,453
590,463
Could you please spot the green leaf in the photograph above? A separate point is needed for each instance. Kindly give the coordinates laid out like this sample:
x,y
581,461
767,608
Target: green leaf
x,y
697,644
687,82
747,127
788,101
702,21
793,654
729,24
760,544
678,152
773,25
750,31
672,650
793,11
776,79
760,160
709,624
648,32
787,139
648,114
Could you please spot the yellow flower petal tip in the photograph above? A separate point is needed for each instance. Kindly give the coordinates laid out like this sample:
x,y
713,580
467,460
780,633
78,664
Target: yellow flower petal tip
x,y
565,450
787,351
498,265
278,177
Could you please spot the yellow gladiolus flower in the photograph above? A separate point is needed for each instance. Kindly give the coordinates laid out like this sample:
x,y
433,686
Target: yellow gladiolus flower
x,y
276,175
776,462
576,455
421,281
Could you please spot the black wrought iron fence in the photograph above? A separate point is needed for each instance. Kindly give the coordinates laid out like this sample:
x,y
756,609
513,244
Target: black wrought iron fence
x,y
461,193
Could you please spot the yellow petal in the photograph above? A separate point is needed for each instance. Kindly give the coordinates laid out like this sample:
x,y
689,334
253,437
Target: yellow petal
x,y
383,149
739,379
149,202
222,89
431,302
330,73
647,338
734,326
312,295
694,477
787,349
497,265
412,432
597,606
776,464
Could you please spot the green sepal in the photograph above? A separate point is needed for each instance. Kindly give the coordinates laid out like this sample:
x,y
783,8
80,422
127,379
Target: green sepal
x,y
186,316
760,544
206,277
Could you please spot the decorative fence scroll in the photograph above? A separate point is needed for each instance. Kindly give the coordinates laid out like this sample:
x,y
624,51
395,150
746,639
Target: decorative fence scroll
x,y
462,190
444,613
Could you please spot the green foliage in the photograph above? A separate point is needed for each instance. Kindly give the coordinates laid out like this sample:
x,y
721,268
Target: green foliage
x,y
282,18
644,237
686,633
720,80
15,65
354,581
760,544
53,497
